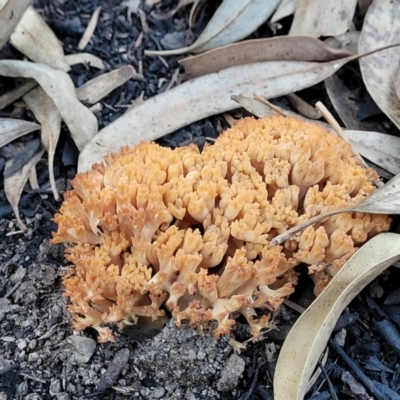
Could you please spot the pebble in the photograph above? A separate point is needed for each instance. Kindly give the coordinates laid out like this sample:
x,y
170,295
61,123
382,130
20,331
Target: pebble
x,y
231,373
32,357
82,349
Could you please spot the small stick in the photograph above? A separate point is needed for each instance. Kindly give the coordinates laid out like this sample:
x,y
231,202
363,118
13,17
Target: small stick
x,y
269,104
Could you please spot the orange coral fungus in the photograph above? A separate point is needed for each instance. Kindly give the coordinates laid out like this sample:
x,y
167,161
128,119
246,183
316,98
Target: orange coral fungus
x,y
153,227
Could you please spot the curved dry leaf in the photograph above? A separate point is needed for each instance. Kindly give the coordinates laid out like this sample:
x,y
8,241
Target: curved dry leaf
x,y
303,107
89,29
233,20
256,50
95,89
58,85
286,8
322,18
310,334
34,38
14,94
47,114
380,70
11,129
347,108
14,185
202,97
85,58
380,148
10,14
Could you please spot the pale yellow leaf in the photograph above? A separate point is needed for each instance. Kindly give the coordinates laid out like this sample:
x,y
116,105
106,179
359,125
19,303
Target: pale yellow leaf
x,y
380,70
34,38
59,87
256,50
14,185
47,114
310,334
99,87
10,14
233,20
11,129
322,17
201,98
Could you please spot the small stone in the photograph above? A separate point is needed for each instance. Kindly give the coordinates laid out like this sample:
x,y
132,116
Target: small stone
x,y
32,344
231,373
33,357
201,355
62,396
82,349
21,344
3,396
157,393
55,387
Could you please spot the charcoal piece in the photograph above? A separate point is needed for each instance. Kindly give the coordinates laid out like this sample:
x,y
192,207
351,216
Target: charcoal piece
x,y
23,156
5,209
393,298
114,369
70,153
394,313
388,393
389,332
368,109
346,319
373,364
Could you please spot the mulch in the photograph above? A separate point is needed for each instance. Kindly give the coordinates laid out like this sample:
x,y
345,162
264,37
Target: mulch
x,y
41,358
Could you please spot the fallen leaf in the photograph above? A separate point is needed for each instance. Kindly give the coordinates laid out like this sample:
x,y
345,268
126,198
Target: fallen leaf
x,y
349,41
384,200
363,6
34,38
131,5
380,70
10,14
256,50
58,85
286,8
89,29
343,101
9,97
46,113
202,97
11,129
233,21
99,87
303,107
322,18
382,149
85,58
310,334
14,185
171,13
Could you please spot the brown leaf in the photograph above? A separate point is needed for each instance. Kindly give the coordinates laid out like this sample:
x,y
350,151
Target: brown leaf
x,y
233,20
59,87
256,50
34,38
46,113
14,185
322,17
99,87
201,98
303,107
10,15
380,70
11,129
310,334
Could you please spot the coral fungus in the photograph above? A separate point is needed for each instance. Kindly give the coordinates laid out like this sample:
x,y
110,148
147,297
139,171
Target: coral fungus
x,y
154,228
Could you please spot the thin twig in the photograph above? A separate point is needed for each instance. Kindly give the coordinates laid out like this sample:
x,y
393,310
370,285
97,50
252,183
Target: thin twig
x,y
269,104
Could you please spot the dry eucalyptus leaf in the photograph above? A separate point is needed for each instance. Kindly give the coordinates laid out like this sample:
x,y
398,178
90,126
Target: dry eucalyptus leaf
x,y
341,99
322,17
380,70
34,38
201,98
286,8
310,334
303,107
256,50
233,21
14,185
85,58
8,98
382,149
349,41
11,129
384,200
253,106
58,85
99,87
10,14
47,114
